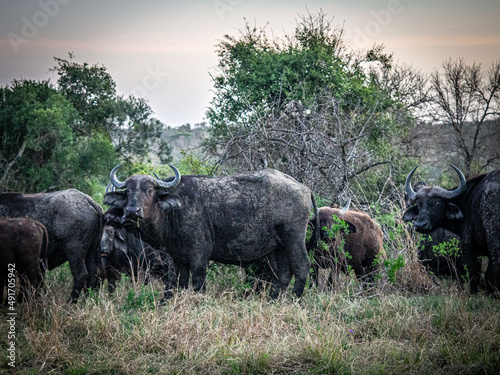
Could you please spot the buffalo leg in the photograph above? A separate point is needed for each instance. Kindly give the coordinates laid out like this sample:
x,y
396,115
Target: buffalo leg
x,y
80,275
284,274
492,276
295,248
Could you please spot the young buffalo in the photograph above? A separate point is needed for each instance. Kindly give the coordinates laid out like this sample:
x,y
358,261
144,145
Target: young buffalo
x,y
363,243
23,246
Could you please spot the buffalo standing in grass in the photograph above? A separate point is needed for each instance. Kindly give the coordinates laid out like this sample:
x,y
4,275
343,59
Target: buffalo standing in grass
x,y
74,223
471,211
123,252
363,243
439,264
235,219
23,247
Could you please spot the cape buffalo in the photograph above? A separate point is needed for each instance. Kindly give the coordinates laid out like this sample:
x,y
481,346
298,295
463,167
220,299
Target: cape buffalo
x,y
123,252
74,223
471,211
23,247
439,264
234,220
363,243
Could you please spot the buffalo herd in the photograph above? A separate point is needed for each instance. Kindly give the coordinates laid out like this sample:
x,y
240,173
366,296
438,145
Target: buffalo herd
x,y
173,228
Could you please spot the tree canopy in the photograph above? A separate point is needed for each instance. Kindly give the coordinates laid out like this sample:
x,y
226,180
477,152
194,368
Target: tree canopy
x,y
72,134
307,105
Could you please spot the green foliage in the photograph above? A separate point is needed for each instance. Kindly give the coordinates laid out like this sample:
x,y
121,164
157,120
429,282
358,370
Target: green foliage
x,y
37,141
53,138
191,164
127,122
393,265
450,249
257,73
143,298
306,103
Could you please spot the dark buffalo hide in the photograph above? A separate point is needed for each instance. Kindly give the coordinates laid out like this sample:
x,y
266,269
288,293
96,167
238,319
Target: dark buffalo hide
x,y
437,264
472,212
235,219
74,223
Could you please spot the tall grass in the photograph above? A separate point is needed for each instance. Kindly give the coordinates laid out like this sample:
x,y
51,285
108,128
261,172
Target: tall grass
x,y
409,325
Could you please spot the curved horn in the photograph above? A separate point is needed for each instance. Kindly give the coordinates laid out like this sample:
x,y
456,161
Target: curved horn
x,y
460,189
346,207
409,190
109,188
114,180
172,183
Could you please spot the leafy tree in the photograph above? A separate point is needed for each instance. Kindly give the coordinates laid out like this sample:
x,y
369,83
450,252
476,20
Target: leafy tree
x,y
128,122
73,134
306,106
36,137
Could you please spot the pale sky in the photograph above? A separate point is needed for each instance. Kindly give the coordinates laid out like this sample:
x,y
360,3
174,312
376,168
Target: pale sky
x,y
165,50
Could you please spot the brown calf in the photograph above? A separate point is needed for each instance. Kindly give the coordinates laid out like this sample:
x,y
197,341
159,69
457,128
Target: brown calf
x,y
23,245
363,243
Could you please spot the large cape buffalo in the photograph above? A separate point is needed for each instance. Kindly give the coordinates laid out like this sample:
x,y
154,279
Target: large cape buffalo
x,y
23,247
74,223
471,211
362,243
438,250
234,219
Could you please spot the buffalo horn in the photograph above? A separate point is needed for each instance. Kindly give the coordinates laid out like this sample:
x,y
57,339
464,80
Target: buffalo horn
x,y
109,188
346,207
116,183
172,183
445,194
409,190
459,190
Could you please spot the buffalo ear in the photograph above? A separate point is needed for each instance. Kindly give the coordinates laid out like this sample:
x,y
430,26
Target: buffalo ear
x,y
453,212
168,201
116,198
411,214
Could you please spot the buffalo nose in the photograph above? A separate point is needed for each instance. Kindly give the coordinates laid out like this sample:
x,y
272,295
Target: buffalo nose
x,y
133,212
104,251
423,226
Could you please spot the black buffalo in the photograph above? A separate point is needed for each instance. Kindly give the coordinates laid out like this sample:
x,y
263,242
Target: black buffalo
x,y
235,219
440,264
123,252
74,223
471,211
23,248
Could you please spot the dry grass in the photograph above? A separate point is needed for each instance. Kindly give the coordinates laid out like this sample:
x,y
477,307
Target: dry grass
x,y
410,326
376,331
